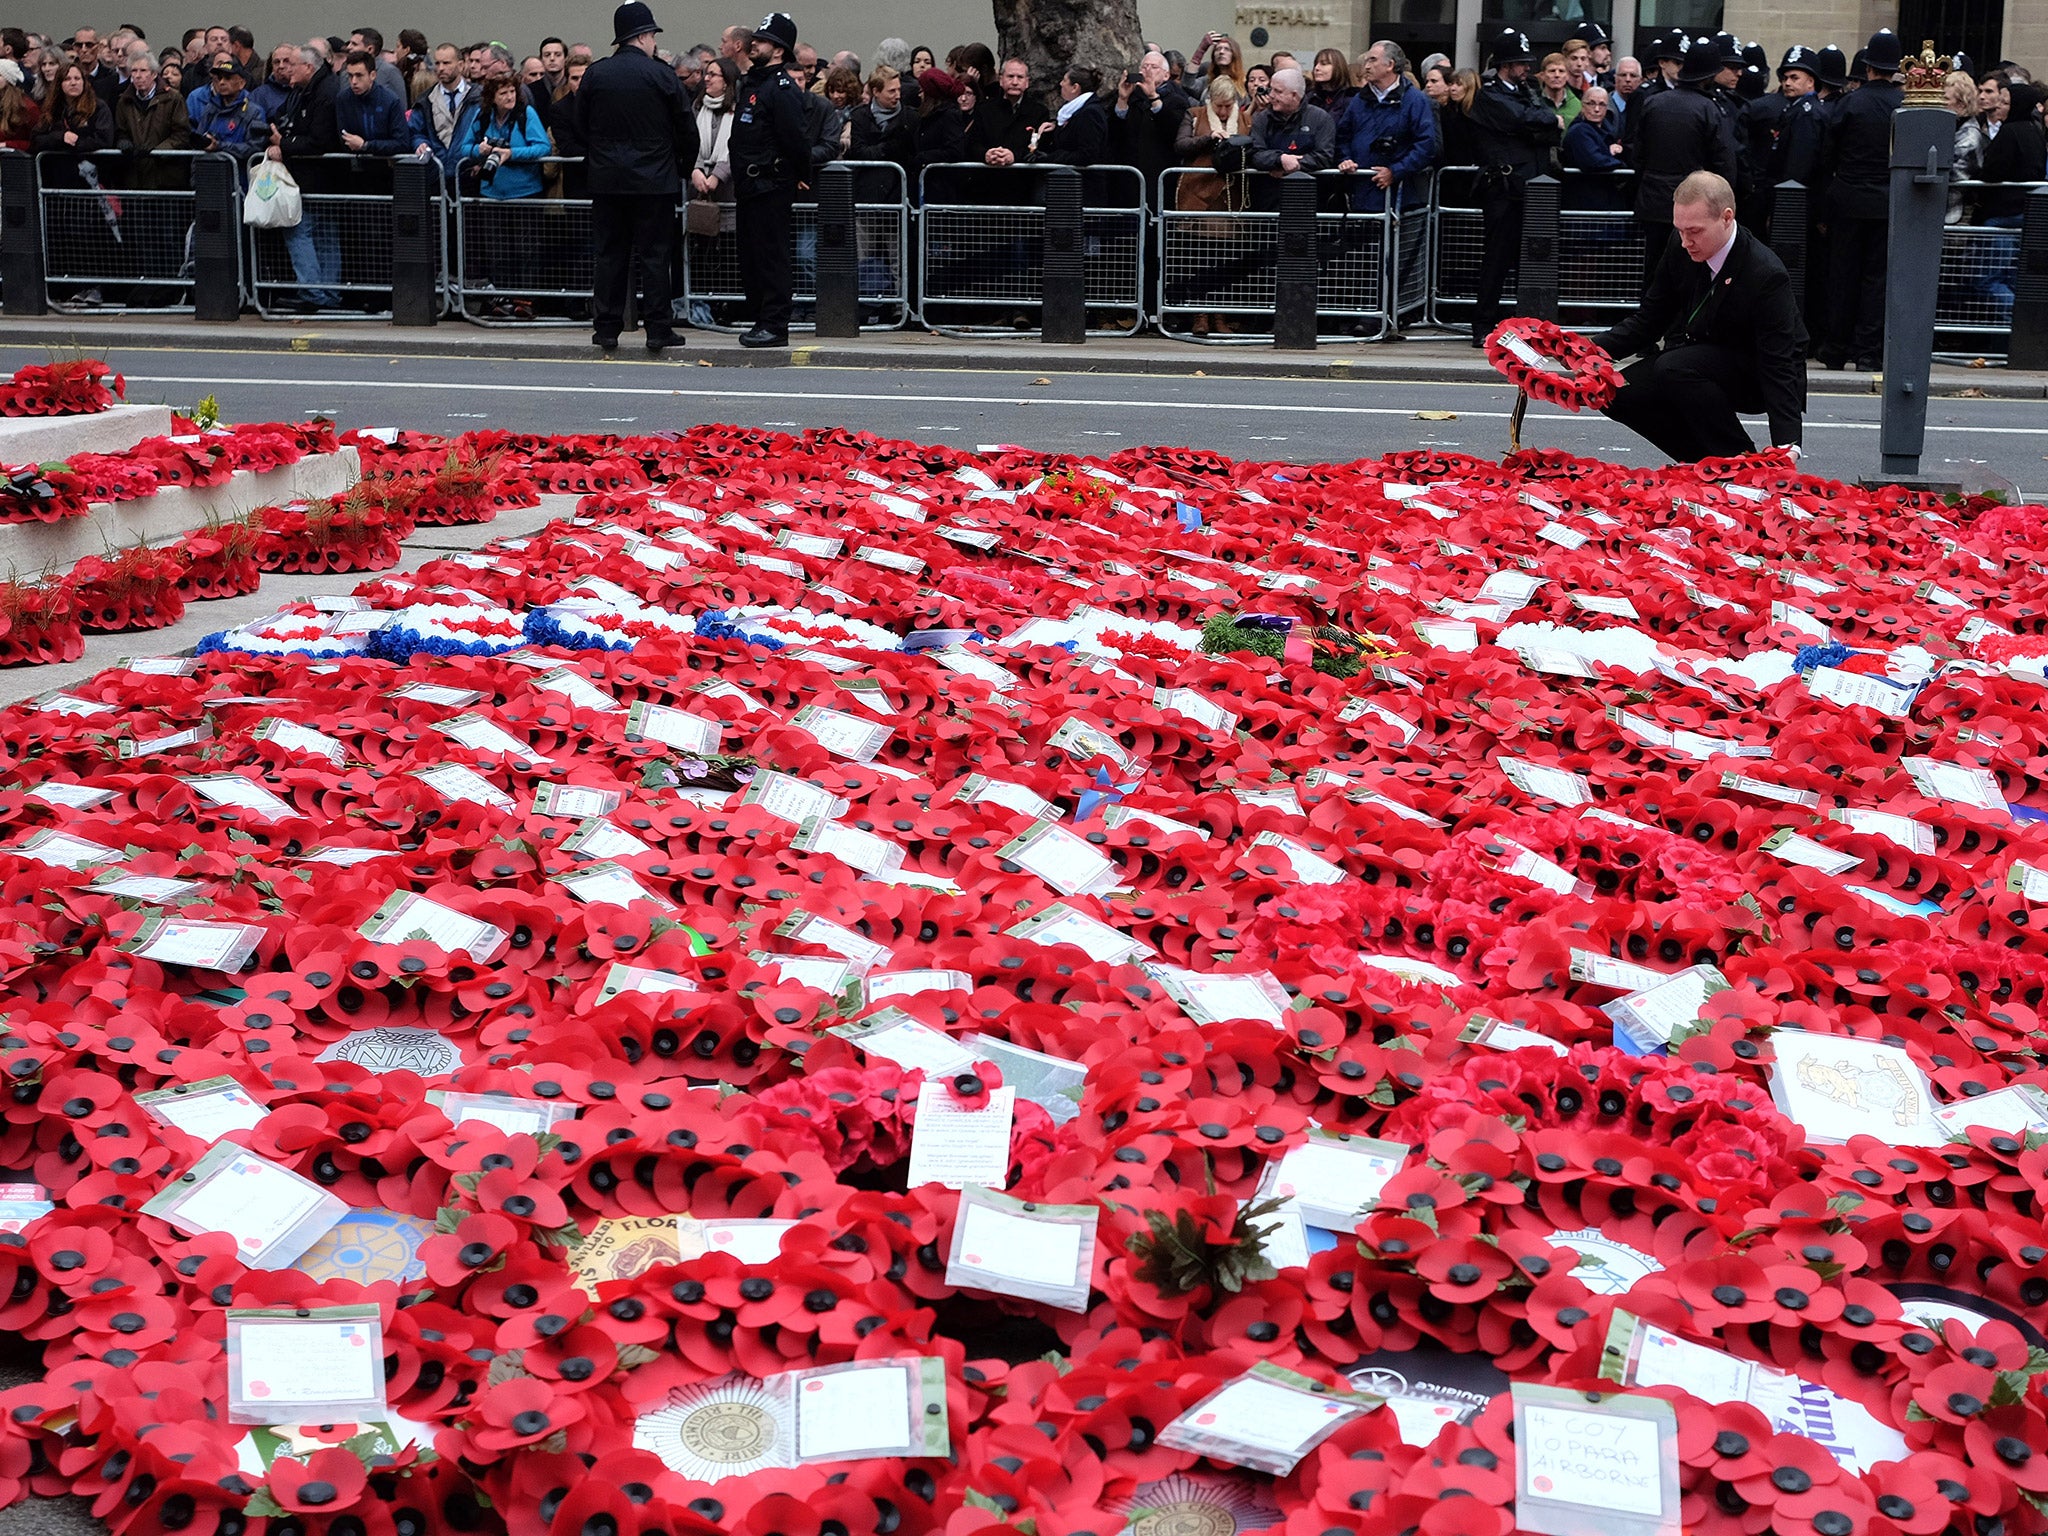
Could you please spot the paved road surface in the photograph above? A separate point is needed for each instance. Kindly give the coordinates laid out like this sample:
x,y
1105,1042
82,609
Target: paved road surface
x,y
1288,419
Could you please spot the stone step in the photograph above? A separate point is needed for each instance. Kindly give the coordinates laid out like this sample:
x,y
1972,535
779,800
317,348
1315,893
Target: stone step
x,y
28,549
46,439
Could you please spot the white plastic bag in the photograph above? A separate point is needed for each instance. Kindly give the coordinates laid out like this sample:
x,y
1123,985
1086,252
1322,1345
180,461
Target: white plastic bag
x,y
272,201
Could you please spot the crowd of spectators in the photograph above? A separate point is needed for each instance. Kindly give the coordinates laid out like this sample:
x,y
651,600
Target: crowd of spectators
x,y
501,125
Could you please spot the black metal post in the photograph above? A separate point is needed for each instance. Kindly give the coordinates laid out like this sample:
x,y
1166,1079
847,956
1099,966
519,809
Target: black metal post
x,y
1063,314
1923,143
21,237
415,243
216,238
2029,345
1297,274
1788,235
1536,280
838,254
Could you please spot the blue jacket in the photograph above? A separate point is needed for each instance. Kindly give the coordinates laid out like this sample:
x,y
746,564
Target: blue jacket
x,y
236,126
520,176
378,117
271,96
1403,127
1585,146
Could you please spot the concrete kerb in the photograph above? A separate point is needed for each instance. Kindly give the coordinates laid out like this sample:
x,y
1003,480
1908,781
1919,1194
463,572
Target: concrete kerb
x,y
1416,361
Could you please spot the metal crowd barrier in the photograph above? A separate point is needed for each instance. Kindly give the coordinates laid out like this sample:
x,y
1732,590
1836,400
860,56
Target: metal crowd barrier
x,y
975,251
520,260
1460,241
1979,269
1414,242
881,218
111,248
343,237
1599,254
1218,268
987,257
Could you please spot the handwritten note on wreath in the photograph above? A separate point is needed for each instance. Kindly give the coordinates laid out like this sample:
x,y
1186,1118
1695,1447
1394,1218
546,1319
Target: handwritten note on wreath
x,y
1594,1459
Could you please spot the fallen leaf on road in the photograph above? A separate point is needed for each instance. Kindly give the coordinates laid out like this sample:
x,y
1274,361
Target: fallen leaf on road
x,y
1436,415
1971,394
1978,362
703,362
1041,381
1201,373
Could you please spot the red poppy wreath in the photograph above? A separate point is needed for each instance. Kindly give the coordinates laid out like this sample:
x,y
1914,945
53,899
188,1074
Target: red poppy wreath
x,y
849,988
1548,362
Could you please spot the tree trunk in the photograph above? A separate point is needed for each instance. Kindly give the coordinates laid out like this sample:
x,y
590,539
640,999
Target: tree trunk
x,y
1051,34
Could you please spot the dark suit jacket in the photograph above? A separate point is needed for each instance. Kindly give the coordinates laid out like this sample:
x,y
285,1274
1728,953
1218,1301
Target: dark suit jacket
x,y
1749,309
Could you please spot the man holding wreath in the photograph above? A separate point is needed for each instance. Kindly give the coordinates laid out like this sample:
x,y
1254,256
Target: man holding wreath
x,y
1719,332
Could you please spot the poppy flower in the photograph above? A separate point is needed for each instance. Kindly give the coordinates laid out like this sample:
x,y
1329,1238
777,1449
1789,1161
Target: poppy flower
x,y
326,1481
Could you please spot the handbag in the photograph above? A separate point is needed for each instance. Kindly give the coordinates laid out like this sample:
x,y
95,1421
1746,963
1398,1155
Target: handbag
x,y
1233,155
272,201
701,217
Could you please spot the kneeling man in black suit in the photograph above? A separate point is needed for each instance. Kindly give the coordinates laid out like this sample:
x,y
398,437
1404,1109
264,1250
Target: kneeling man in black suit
x,y
1719,332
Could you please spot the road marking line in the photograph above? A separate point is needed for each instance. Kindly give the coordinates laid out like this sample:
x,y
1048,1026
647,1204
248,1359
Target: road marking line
x,y
1234,406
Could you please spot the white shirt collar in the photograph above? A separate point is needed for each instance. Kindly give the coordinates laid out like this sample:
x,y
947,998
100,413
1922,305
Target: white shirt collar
x,y
1716,261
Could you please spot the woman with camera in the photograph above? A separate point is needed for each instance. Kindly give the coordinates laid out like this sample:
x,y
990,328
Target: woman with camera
x,y
1258,78
1219,57
506,144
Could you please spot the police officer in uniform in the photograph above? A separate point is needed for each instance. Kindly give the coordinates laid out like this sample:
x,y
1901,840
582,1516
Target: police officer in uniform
x,y
1856,157
1600,53
639,132
1663,48
1833,66
1797,157
1800,125
1681,131
1516,133
1727,94
1756,72
771,153
1764,120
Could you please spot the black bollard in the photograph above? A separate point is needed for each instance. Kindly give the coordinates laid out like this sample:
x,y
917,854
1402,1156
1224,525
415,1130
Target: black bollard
x,y
838,254
415,243
2029,345
216,238
1063,314
1297,273
21,237
1788,235
1536,281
